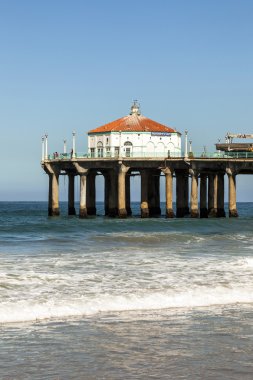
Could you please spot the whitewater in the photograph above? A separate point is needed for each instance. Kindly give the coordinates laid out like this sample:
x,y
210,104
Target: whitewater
x,y
174,296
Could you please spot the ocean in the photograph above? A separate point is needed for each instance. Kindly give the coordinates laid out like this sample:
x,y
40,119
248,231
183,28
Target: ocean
x,y
105,298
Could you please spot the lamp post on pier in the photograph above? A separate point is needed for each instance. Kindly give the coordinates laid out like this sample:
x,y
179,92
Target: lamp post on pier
x,y
43,148
73,144
190,148
46,150
186,144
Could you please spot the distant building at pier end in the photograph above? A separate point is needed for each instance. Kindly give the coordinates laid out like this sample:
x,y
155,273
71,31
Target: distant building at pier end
x,y
134,135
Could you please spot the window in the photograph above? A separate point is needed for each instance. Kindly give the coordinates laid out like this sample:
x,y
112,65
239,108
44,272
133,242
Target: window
x,y
116,151
100,149
92,152
128,150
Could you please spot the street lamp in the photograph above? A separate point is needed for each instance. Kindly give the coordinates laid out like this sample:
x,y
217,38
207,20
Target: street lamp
x,y
190,149
73,144
46,151
43,148
185,144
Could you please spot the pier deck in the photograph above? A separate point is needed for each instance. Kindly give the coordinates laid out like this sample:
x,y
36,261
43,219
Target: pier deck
x,y
206,176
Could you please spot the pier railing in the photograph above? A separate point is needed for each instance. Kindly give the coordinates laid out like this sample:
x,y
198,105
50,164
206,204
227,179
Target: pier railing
x,y
218,154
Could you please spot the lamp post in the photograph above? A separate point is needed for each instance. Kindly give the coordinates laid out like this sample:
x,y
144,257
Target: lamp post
x,y
43,148
73,144
64,146
46,151
190,148
185,144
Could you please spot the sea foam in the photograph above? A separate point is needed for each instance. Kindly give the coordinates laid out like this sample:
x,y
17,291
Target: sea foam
x,y
199,297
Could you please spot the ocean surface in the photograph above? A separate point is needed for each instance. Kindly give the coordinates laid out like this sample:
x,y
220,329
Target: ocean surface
x,y
124,299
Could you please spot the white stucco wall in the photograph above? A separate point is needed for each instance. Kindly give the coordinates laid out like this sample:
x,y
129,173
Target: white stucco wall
x,y
144,144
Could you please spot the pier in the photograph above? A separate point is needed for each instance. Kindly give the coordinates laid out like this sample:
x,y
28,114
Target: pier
x,y
199,184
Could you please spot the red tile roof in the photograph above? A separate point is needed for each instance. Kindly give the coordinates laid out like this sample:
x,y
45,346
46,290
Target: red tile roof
x,y
133,123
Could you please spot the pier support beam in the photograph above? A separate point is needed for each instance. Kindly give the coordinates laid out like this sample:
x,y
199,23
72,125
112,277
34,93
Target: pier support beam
x,y
83,172
154,193
186,195
53,193
106,192
203,196
232,194
220,197
144,194
169,192
194,212
113,194
83,191
212,195
53,196
122,212
180,204
71,194
157,177
91,193
128,194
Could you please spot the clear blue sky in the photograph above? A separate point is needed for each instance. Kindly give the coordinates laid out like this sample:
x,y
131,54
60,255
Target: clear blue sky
x,y
78,64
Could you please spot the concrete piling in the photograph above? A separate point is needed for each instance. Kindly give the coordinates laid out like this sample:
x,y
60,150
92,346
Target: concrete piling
x,y
113,194
71,194
144,194
232,193
83,205
220,196
53,189
169,192
186,195
122,212
212,195
194,211
128,194
106,192
91,193
180,204
203,212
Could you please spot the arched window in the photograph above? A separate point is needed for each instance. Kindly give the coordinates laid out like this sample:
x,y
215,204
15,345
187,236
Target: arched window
x,y
160,149
128,148
150,149
171,149
100,149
